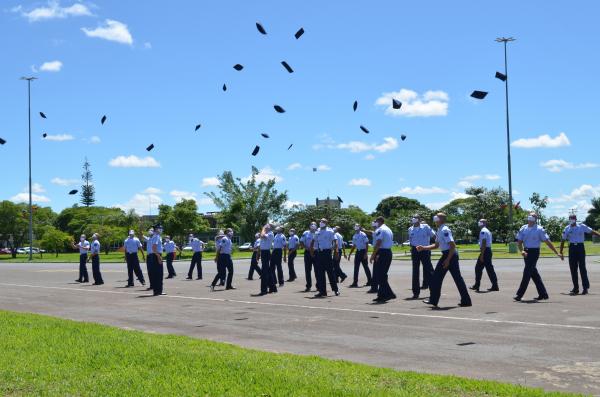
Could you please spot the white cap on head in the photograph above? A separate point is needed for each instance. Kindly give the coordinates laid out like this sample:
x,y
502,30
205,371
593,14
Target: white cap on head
x,y
131,232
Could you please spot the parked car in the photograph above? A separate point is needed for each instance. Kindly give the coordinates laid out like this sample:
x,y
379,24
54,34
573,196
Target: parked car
x,y
245,247
186,248
5,251
406,243
34,250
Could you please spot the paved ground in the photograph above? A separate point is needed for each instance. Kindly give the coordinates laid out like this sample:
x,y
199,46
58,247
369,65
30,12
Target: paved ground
x,y
554,344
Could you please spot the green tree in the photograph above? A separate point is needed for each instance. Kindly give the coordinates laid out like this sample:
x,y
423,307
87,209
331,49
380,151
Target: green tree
x,y
554,226
14,224
181,219
399,205
593,217
539,203
54,240
88,192
76,220
247,205
300,218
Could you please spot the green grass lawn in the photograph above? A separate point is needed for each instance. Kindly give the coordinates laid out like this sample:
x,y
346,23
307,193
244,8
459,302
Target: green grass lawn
x,y
467,251
53,357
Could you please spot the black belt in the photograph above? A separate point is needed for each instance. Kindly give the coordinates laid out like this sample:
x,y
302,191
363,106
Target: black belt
x,y
532,249
324,250
277,249
132,253
576,244
385,249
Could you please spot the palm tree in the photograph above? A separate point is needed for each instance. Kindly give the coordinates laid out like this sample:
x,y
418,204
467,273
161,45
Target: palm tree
x,y
593,218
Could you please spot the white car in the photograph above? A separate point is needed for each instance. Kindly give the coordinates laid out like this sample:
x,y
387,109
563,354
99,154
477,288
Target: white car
x,y
186,248
245,247
25,250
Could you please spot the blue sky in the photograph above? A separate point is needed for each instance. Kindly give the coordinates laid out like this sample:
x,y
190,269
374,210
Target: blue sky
x,y
156,71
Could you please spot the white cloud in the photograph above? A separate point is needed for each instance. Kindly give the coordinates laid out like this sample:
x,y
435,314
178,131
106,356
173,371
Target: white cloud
x,y
59,137
204,201
152,190
134,162
210,181
418,190
467,181
458,195
54,11
294,166
431,103
143,204
323,167
95,140
389,143
179,195
359,182
36,188
369,157
63,182
289,204
265,175
560,165
53,66
24,198
543,141
453,196
464,184
112,31
583,192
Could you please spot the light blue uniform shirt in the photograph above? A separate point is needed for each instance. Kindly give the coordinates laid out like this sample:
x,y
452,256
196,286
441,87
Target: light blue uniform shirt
x,y
82,246
307,238
385,235
360,240
576,234
293,242
533,236
340,241
324,239
266,241
279,241
155,239
197,245
486,235
95,249
225,245
132,245
420,235
256,243
444,237
170,247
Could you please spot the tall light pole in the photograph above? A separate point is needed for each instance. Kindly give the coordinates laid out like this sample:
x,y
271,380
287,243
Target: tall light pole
x,y
506,40
29,80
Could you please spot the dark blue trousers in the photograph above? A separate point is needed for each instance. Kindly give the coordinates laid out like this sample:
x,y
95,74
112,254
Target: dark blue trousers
x,y
308,267
577,262
276,266
418,259
292,271
267,281
530,272
382,264
439,273
170,268
133,266
489,268
83,273
323,267
196,261
156,273
254,266
96,270
361,257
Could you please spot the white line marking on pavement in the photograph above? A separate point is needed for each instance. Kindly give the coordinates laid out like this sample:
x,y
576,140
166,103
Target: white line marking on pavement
x,y
339,309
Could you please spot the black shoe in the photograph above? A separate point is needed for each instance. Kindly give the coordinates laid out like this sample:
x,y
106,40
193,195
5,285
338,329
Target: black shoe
x,y
372,291
307,289
574,292
385,298
428,302
198,278
159,294
343,278
541,298
474,287
584,292
262,294
368,284
378,300
230,287
494,288
517,298
149,288
337,293
415,297
461,304
212,288
280,285
143,283
97,283
221,284
353,285
320,295
424,287
188,278
168,277
249,279
79,281
85,281
289,280
129,286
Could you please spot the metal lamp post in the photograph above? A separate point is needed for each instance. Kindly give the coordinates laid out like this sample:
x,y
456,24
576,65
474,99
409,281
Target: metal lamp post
x,y
29,80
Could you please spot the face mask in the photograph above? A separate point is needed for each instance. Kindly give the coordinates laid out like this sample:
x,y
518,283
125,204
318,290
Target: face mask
x,y
573,221
82,239
531,218
480,224
292,233
436,219
167,240
414,220
322,224
313,227
150,232
357,228
376,224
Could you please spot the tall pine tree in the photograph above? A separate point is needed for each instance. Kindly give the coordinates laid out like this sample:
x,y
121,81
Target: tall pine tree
x,y
88,193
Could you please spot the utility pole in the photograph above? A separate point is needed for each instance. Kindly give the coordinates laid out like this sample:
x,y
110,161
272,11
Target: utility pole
x,y
29,80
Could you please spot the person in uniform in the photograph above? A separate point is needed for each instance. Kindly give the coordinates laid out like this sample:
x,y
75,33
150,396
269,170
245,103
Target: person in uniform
x,y
254,260
374,279
324,244
360,243
419,233
309,259
83,246
341,252
218,237
279,243
529,240
485,258
170,248
155,261
223,260
132,245
267,281
197,248
95,255
448,262
575,234
382,260
289,253
149,268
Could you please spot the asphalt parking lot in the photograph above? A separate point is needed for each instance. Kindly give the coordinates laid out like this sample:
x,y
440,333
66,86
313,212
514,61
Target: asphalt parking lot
x,y
553,344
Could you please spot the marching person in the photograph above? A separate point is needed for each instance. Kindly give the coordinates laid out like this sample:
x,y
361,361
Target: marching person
x,y
83,246
95,255
170,248
197,248
155,262
309,259
223,260
131,246
529,240
420,233
325,243
485,258
279,243
341,252
149,268
374,279
267,281
360,243
254,260
575,234
289,253
448,262
382,260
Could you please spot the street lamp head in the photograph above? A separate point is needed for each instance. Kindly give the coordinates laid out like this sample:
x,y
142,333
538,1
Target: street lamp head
x,y
504,39
29,78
